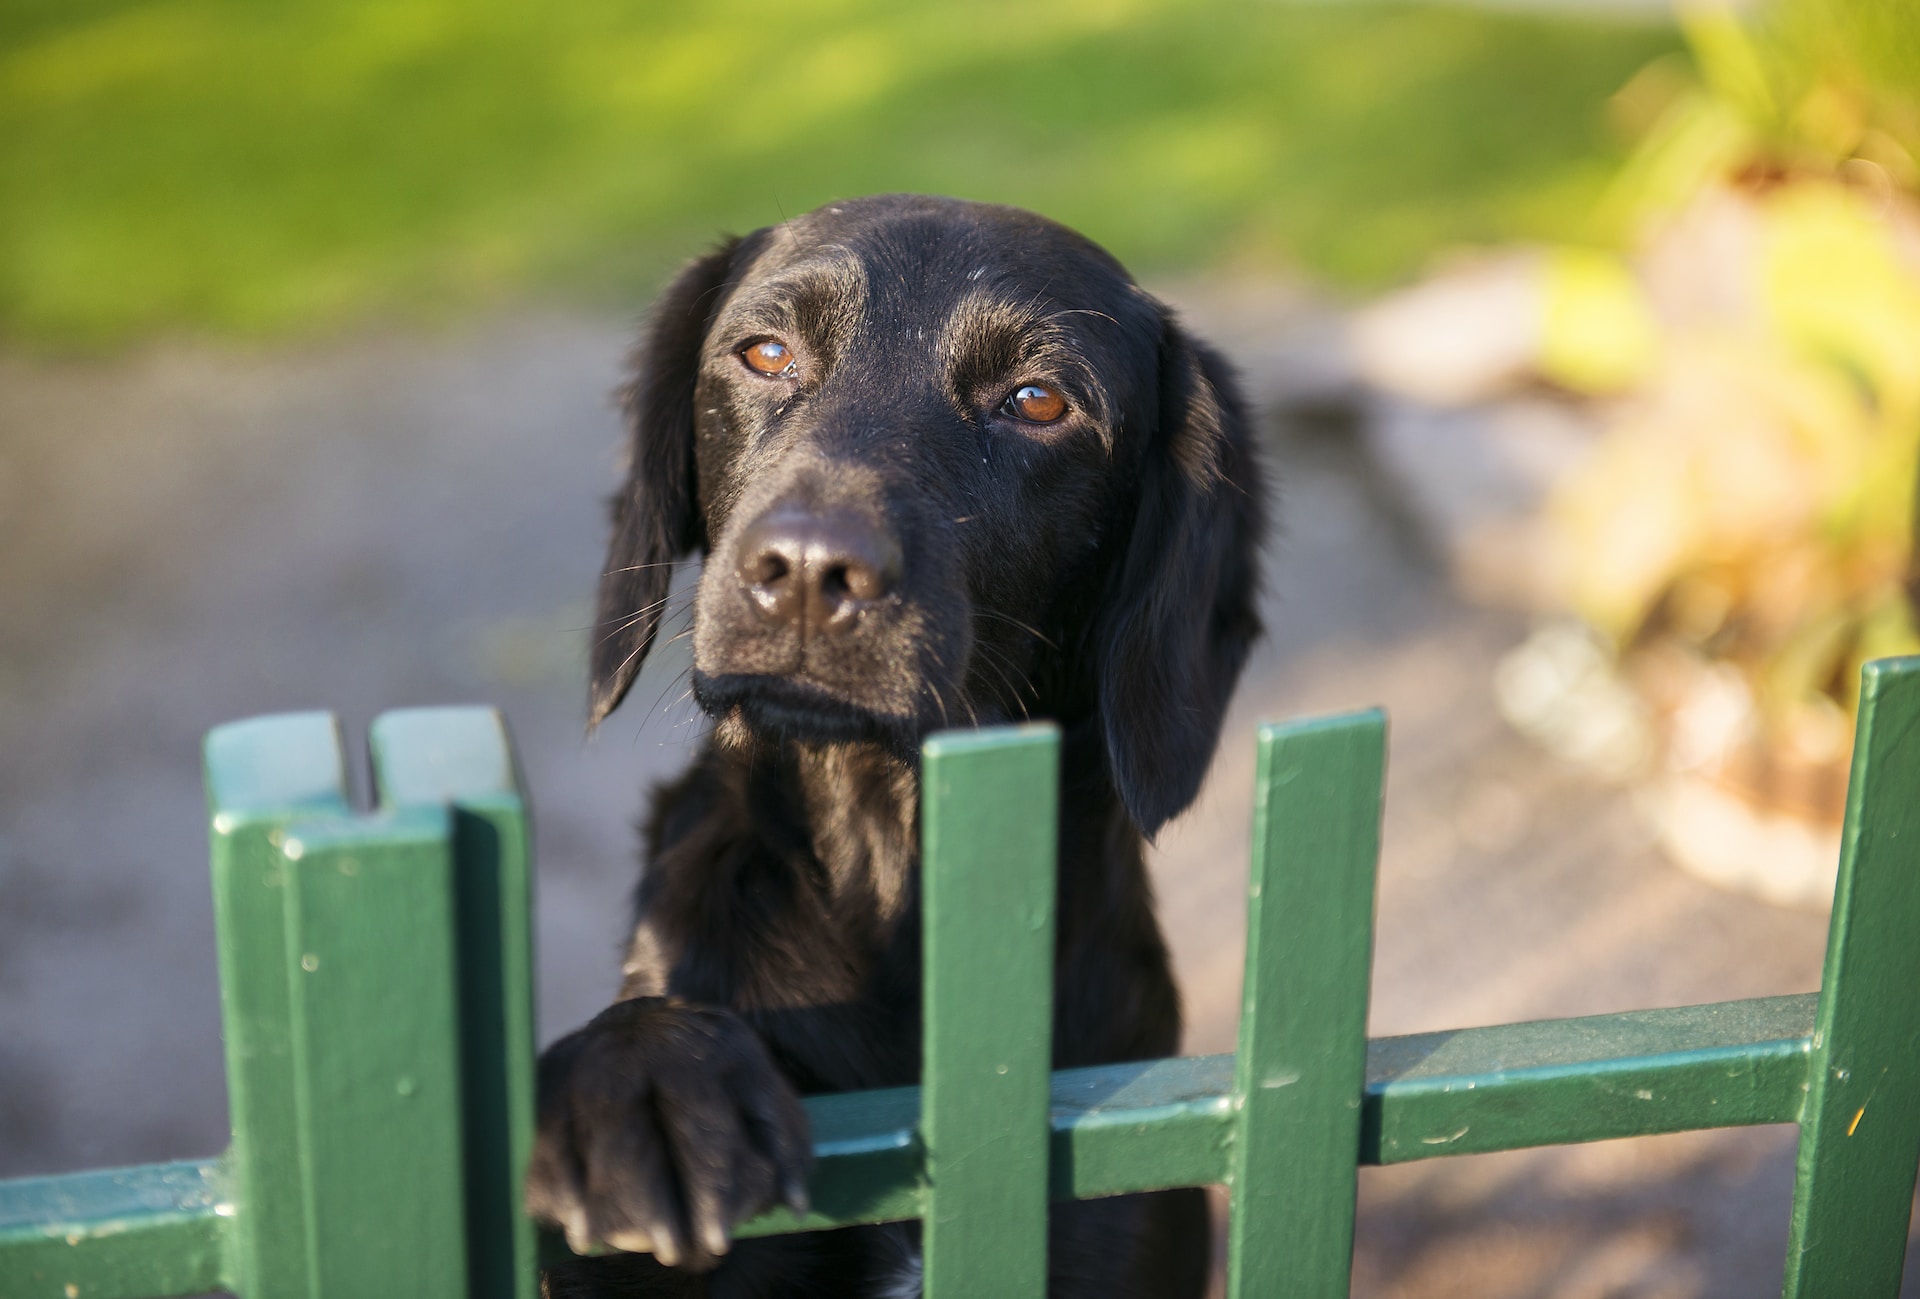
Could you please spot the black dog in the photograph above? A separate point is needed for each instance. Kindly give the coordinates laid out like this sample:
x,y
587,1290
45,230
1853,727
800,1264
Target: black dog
x,y
947,465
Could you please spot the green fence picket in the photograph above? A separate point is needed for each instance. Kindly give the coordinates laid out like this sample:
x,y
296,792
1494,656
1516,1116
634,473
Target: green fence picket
x,y
376,1054
989,830
462,759
1860,1132
1300,1070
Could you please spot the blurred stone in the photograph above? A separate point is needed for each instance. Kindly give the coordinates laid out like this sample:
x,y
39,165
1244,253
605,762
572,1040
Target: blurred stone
x,y
1476,480
1559,688
1729,841
1466,335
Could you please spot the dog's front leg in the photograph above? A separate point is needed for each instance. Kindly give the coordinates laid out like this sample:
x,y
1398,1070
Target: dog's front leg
x,y
661,1126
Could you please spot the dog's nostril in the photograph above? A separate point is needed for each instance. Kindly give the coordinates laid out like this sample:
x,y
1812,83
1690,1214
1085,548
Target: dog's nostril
x,y
862,581
768,578
845,584
833,582
769,569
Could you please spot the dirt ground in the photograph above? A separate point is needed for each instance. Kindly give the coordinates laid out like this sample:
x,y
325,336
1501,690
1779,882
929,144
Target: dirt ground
x,y
192,534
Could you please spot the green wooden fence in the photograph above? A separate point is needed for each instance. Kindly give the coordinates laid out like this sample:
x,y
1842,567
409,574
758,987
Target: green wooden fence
x,y
375,973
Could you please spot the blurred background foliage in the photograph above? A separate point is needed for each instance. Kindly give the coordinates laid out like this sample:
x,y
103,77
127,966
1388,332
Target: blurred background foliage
x,y
1738,329
221,166
1751,500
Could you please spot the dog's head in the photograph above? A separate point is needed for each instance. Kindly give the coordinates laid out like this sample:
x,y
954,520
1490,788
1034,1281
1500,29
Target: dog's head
x,y
946,464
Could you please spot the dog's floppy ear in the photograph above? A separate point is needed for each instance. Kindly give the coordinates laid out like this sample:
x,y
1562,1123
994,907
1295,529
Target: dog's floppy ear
x,y
656,515
1182,612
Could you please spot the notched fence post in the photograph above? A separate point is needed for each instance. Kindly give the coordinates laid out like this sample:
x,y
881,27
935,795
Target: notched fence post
x,y
376,977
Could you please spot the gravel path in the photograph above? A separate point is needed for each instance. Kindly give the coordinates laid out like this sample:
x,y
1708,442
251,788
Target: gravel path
x,y
192,535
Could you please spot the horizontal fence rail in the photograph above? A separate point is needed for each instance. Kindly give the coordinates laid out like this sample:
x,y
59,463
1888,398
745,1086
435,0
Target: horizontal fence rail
x,y
1114,1129
387,1163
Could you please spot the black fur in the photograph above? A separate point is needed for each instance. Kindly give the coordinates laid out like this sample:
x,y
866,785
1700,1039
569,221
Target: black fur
x,y
1099,571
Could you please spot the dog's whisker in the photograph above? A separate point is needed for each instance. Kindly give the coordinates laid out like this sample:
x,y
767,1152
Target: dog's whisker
x,y
675,680
1001,657
1022,692
1026,627
635,568
1018,699
941,701
938,670
658,606
632,654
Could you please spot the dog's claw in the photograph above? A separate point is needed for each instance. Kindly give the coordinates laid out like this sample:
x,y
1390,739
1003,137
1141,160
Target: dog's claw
x,y
579,1239
661,1125
633,1242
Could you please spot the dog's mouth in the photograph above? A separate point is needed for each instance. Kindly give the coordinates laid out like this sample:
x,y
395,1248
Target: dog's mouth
x,y
783,708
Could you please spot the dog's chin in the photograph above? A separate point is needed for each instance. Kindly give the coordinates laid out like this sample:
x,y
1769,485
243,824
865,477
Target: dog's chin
x,y
780,708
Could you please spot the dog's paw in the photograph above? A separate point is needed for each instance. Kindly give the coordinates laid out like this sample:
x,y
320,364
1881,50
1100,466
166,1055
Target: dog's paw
x,y
661,1126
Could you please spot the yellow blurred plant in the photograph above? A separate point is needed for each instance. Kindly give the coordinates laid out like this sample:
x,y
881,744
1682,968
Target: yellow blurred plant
x,y
1750,505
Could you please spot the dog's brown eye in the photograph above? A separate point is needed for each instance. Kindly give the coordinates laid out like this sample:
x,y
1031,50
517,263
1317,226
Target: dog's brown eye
x,y
1037,405
770,357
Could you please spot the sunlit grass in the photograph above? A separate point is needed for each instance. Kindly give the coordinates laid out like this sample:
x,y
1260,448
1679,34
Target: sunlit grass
x,y
222,165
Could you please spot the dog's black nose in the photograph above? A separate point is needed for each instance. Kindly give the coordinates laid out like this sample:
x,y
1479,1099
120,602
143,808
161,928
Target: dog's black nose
x,y
813,570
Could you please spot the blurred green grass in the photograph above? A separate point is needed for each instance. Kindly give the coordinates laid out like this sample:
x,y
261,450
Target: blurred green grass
x,y
231,167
